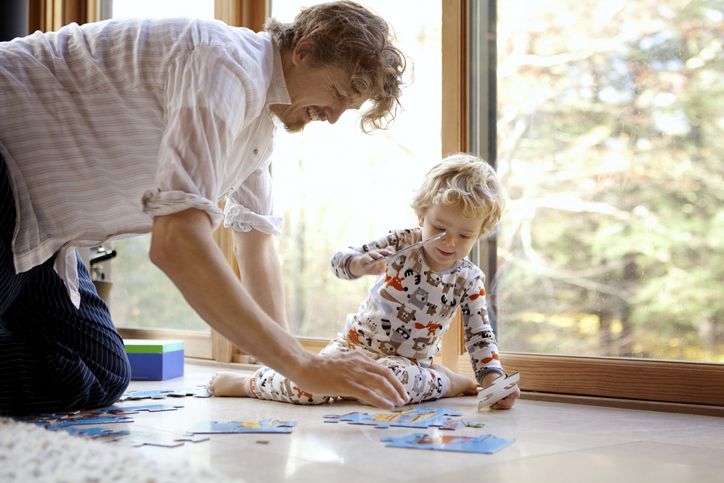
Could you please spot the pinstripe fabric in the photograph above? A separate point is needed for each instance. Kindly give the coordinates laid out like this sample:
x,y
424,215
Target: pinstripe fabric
x,y
108,124
53,357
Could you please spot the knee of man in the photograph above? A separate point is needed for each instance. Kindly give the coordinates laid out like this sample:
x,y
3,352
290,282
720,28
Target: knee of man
x,y
117,384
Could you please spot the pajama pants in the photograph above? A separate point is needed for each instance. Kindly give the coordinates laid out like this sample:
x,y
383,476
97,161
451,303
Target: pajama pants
x,y
421,383
53,357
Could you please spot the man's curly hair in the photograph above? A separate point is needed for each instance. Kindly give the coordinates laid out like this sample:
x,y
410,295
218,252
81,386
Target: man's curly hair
x,y
349,36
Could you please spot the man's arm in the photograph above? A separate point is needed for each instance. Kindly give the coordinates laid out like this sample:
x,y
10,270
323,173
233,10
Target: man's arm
x,y
182,246
261,273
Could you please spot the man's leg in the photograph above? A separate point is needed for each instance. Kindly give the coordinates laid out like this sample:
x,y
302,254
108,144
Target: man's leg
x,y
53,357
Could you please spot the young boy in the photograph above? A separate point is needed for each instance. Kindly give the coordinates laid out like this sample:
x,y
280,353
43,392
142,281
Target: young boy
x,y
415,296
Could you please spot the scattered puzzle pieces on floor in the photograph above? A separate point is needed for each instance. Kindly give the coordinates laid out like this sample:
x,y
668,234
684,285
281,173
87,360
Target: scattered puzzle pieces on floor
x,y
418,417
263,426
199,391
487,443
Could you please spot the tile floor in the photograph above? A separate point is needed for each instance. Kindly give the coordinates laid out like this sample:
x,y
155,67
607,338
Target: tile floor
x,y
555,442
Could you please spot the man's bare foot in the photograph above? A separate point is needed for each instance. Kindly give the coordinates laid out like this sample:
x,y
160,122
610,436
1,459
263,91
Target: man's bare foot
x,y
231,384
459,384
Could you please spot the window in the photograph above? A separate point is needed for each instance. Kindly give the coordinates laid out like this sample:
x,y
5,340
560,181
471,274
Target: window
x,y
142,296
337,186
609,143
608,140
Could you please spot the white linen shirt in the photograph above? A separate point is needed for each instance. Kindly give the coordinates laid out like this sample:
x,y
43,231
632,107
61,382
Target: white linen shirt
x,y
106,125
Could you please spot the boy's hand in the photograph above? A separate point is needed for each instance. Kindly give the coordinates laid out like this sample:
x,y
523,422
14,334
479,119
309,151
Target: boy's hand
x,y
370,263
505,403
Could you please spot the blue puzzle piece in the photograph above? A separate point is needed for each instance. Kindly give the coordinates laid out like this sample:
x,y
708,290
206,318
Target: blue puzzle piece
x,y
151,408
418,417
199,391
263,426
63,423
486,443
164,440
105,434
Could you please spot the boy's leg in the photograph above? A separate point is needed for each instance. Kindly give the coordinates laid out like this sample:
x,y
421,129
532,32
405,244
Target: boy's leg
x,y
53,357
421,383
268,384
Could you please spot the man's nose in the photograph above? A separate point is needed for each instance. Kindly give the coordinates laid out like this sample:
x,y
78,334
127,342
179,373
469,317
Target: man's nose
x,y
334,113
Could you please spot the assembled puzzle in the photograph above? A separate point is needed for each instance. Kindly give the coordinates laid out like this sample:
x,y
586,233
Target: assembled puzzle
x,y
232,427
486,443
418,417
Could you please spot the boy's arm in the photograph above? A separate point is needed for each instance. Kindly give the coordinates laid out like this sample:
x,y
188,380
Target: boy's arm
x,y
479,337
353,262
480,340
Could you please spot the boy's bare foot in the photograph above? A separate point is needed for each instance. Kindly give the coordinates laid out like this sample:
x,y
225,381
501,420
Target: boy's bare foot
x,y
231,384
459,384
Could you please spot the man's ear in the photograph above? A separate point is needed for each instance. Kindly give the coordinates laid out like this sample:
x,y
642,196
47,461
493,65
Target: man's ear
x,y
421,219
303,51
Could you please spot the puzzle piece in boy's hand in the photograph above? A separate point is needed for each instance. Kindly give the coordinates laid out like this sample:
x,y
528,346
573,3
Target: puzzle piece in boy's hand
x,y
486,443
263,426
501,388
418,417
151,408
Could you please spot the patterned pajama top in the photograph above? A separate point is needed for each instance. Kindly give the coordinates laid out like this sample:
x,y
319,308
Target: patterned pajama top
x,y
410,306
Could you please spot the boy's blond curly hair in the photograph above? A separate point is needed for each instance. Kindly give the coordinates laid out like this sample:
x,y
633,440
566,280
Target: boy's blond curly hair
x,y
467,181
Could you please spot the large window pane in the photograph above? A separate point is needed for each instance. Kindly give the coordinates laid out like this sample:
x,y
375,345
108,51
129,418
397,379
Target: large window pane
x,y
337,186
142,296
610,142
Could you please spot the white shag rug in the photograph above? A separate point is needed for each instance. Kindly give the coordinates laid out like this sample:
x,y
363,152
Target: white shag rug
x,y
29,453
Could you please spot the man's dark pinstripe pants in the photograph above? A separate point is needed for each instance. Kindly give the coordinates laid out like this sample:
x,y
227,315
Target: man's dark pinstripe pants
x,y
53,357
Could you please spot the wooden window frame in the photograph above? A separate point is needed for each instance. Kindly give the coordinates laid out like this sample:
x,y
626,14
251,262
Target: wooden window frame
x,y
694,387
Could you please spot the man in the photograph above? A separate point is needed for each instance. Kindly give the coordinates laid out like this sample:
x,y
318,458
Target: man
x,y
123,127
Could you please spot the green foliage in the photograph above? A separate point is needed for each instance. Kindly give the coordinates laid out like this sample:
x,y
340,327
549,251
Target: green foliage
x,y
617,180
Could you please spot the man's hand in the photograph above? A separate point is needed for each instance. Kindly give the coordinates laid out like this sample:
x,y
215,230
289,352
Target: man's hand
x,y
351,374
370,263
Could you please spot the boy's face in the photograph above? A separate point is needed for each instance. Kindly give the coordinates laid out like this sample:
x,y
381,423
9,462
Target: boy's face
x,y
317,92
461,234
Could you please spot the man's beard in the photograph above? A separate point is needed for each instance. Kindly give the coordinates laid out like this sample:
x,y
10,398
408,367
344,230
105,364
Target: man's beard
x,y
295,127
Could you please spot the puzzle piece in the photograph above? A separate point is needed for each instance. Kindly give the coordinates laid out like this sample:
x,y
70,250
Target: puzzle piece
x,y
104,434
199,391
262,426
501,388
151,408
486,443
164,440
80,420
418,417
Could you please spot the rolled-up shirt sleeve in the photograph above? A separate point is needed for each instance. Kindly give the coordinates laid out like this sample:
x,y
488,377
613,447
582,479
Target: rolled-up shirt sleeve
x,y
205,107
251,207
